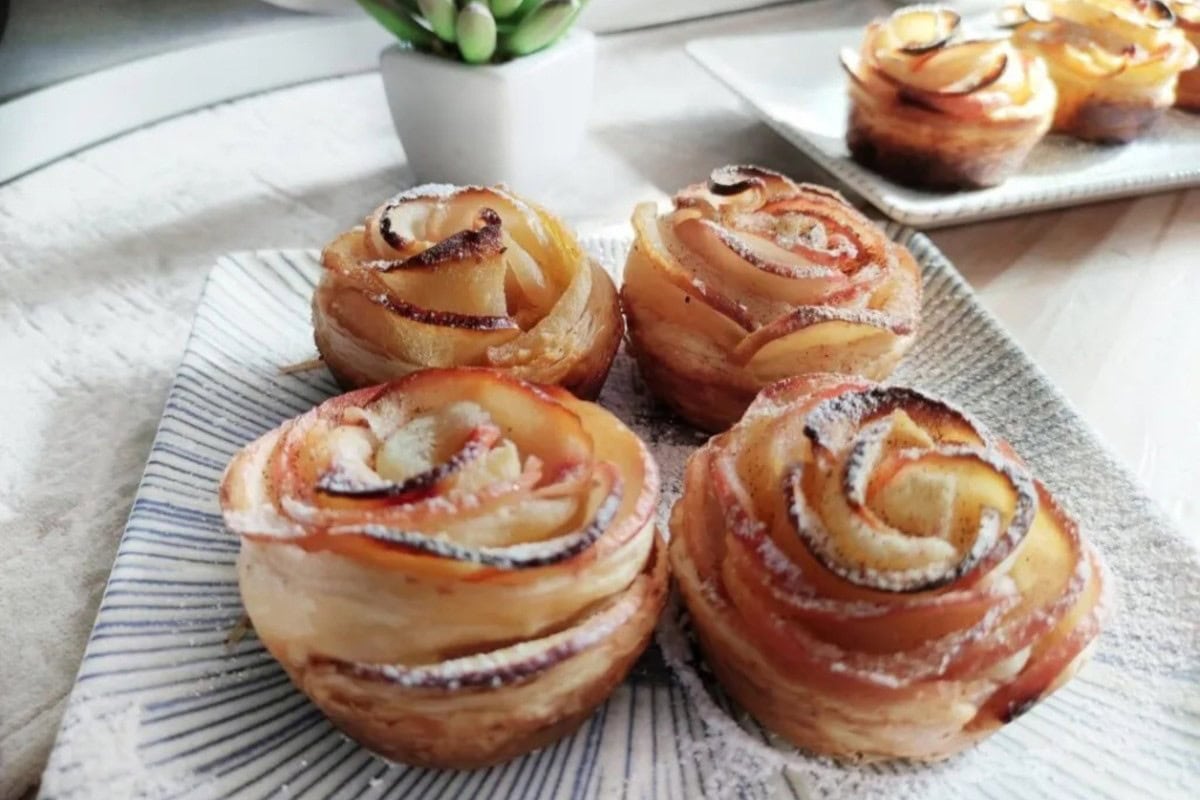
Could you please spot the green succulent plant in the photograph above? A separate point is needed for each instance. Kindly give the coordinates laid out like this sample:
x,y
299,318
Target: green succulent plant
x,y
477,31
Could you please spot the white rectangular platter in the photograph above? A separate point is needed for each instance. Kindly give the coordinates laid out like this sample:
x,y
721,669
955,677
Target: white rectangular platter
x,y
794,82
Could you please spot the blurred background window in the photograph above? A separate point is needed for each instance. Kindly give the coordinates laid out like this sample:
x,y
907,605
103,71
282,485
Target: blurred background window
x,y
48,41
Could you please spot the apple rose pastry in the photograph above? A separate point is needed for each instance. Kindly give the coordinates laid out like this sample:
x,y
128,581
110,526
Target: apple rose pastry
x,y
457,567
751,278
927,109
1187,17
1115,62
469,276
872,575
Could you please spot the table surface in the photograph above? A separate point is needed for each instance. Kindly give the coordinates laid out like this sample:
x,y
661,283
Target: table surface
x,y
103,255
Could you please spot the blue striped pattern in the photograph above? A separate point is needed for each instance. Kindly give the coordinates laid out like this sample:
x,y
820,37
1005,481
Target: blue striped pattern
x,y
164,708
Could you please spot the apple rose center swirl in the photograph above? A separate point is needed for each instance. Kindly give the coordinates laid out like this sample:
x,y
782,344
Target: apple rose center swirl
x,y
444,276
753,277
883,505
918,54
455,531
872,574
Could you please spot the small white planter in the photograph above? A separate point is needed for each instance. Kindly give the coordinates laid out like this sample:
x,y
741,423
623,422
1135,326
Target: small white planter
x,y
519,122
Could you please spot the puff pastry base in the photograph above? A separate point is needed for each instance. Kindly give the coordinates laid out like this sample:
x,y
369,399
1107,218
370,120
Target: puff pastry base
x,y
475,727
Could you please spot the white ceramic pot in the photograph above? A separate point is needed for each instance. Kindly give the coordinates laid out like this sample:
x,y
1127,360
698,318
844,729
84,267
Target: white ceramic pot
x,y
518,123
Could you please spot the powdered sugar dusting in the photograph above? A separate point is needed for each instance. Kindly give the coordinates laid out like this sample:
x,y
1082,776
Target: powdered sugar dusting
x,y
738,245
745,755
431,191
100,746
777,561
509,664
810,315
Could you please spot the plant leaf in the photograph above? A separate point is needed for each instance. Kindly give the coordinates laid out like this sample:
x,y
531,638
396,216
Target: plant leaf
x,y
399,21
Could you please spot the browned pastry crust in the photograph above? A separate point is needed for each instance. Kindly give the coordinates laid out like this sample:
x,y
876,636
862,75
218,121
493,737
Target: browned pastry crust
x,y
910,145
1104,121
469,276
1187,92
751,278
928,109
1115,63
691,392
457,568
481,725
872,575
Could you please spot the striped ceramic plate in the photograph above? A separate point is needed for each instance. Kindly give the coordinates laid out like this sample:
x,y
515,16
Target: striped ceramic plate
x,y
165,706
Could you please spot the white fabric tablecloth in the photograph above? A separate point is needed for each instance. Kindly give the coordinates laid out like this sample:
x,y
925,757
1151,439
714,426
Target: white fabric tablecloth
x,y
102,256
